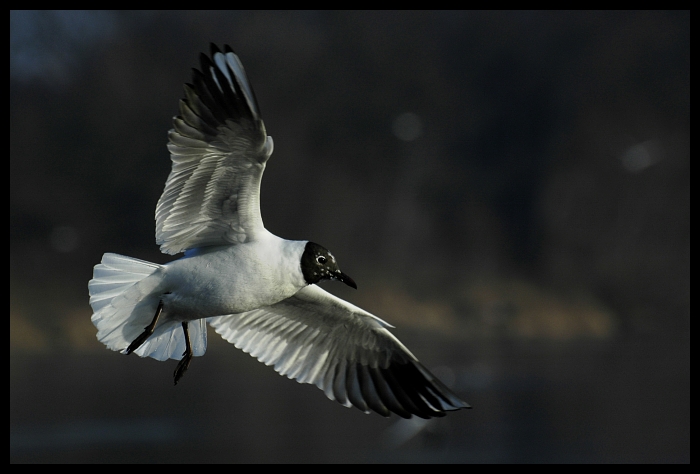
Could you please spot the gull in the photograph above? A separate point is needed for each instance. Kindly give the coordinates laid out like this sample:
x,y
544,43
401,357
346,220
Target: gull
x,y
257,290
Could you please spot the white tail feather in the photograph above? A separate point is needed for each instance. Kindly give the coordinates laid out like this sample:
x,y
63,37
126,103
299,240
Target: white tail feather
x,y
124,295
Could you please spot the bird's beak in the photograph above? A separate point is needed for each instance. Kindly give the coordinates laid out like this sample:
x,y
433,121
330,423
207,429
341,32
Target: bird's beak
x,y
346,279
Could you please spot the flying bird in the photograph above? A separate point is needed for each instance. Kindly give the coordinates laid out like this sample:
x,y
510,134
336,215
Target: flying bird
x,y
257,290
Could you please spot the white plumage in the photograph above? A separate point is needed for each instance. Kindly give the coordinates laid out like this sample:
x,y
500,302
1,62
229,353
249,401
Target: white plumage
x,y
255,289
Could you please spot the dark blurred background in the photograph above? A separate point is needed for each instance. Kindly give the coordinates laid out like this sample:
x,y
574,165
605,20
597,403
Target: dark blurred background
x,y
510,190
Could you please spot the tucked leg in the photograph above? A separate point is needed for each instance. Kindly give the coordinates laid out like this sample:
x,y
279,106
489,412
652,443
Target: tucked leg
x,y
184,363
148,330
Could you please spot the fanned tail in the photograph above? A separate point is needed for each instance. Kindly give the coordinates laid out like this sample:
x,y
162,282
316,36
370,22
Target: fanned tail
x,y
124,295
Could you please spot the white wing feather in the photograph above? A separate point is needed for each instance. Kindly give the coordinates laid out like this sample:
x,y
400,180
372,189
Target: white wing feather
x,y
317,338
219,149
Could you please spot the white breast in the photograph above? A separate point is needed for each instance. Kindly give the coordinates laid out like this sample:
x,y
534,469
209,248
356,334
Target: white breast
x,y
233,279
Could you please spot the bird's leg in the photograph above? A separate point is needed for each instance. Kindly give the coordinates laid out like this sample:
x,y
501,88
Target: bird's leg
x,y
186,356
147,331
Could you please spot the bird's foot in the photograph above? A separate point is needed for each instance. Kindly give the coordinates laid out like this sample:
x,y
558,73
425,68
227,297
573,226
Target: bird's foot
x,y
182,366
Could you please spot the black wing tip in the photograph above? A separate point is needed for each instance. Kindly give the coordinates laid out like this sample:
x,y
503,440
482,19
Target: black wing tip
x,y
214,48
221,92
431,398
404,388
205,61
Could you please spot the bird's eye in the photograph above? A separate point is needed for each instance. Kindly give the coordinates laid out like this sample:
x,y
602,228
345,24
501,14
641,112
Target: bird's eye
x,y
321,259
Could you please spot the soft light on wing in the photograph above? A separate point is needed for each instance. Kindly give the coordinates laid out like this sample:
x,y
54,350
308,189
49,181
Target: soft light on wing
x,y
317,338
219,148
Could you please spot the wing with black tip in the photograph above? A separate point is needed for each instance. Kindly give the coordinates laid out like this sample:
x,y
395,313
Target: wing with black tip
x,y
317,338
219,148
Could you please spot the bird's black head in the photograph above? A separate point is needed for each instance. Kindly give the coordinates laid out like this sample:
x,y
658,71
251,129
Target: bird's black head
x,y
318,264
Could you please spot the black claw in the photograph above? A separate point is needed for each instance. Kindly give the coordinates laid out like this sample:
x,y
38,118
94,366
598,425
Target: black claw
x,y
147,331
182,366
184,363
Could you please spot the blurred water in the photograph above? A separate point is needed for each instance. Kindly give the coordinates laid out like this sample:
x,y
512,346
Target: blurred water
x,y
615,401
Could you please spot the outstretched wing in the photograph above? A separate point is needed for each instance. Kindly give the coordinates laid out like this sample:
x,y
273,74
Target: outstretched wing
x,y
219,148
317,338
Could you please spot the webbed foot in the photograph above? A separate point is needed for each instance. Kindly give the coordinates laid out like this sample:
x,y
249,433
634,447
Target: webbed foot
x,y
184,363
